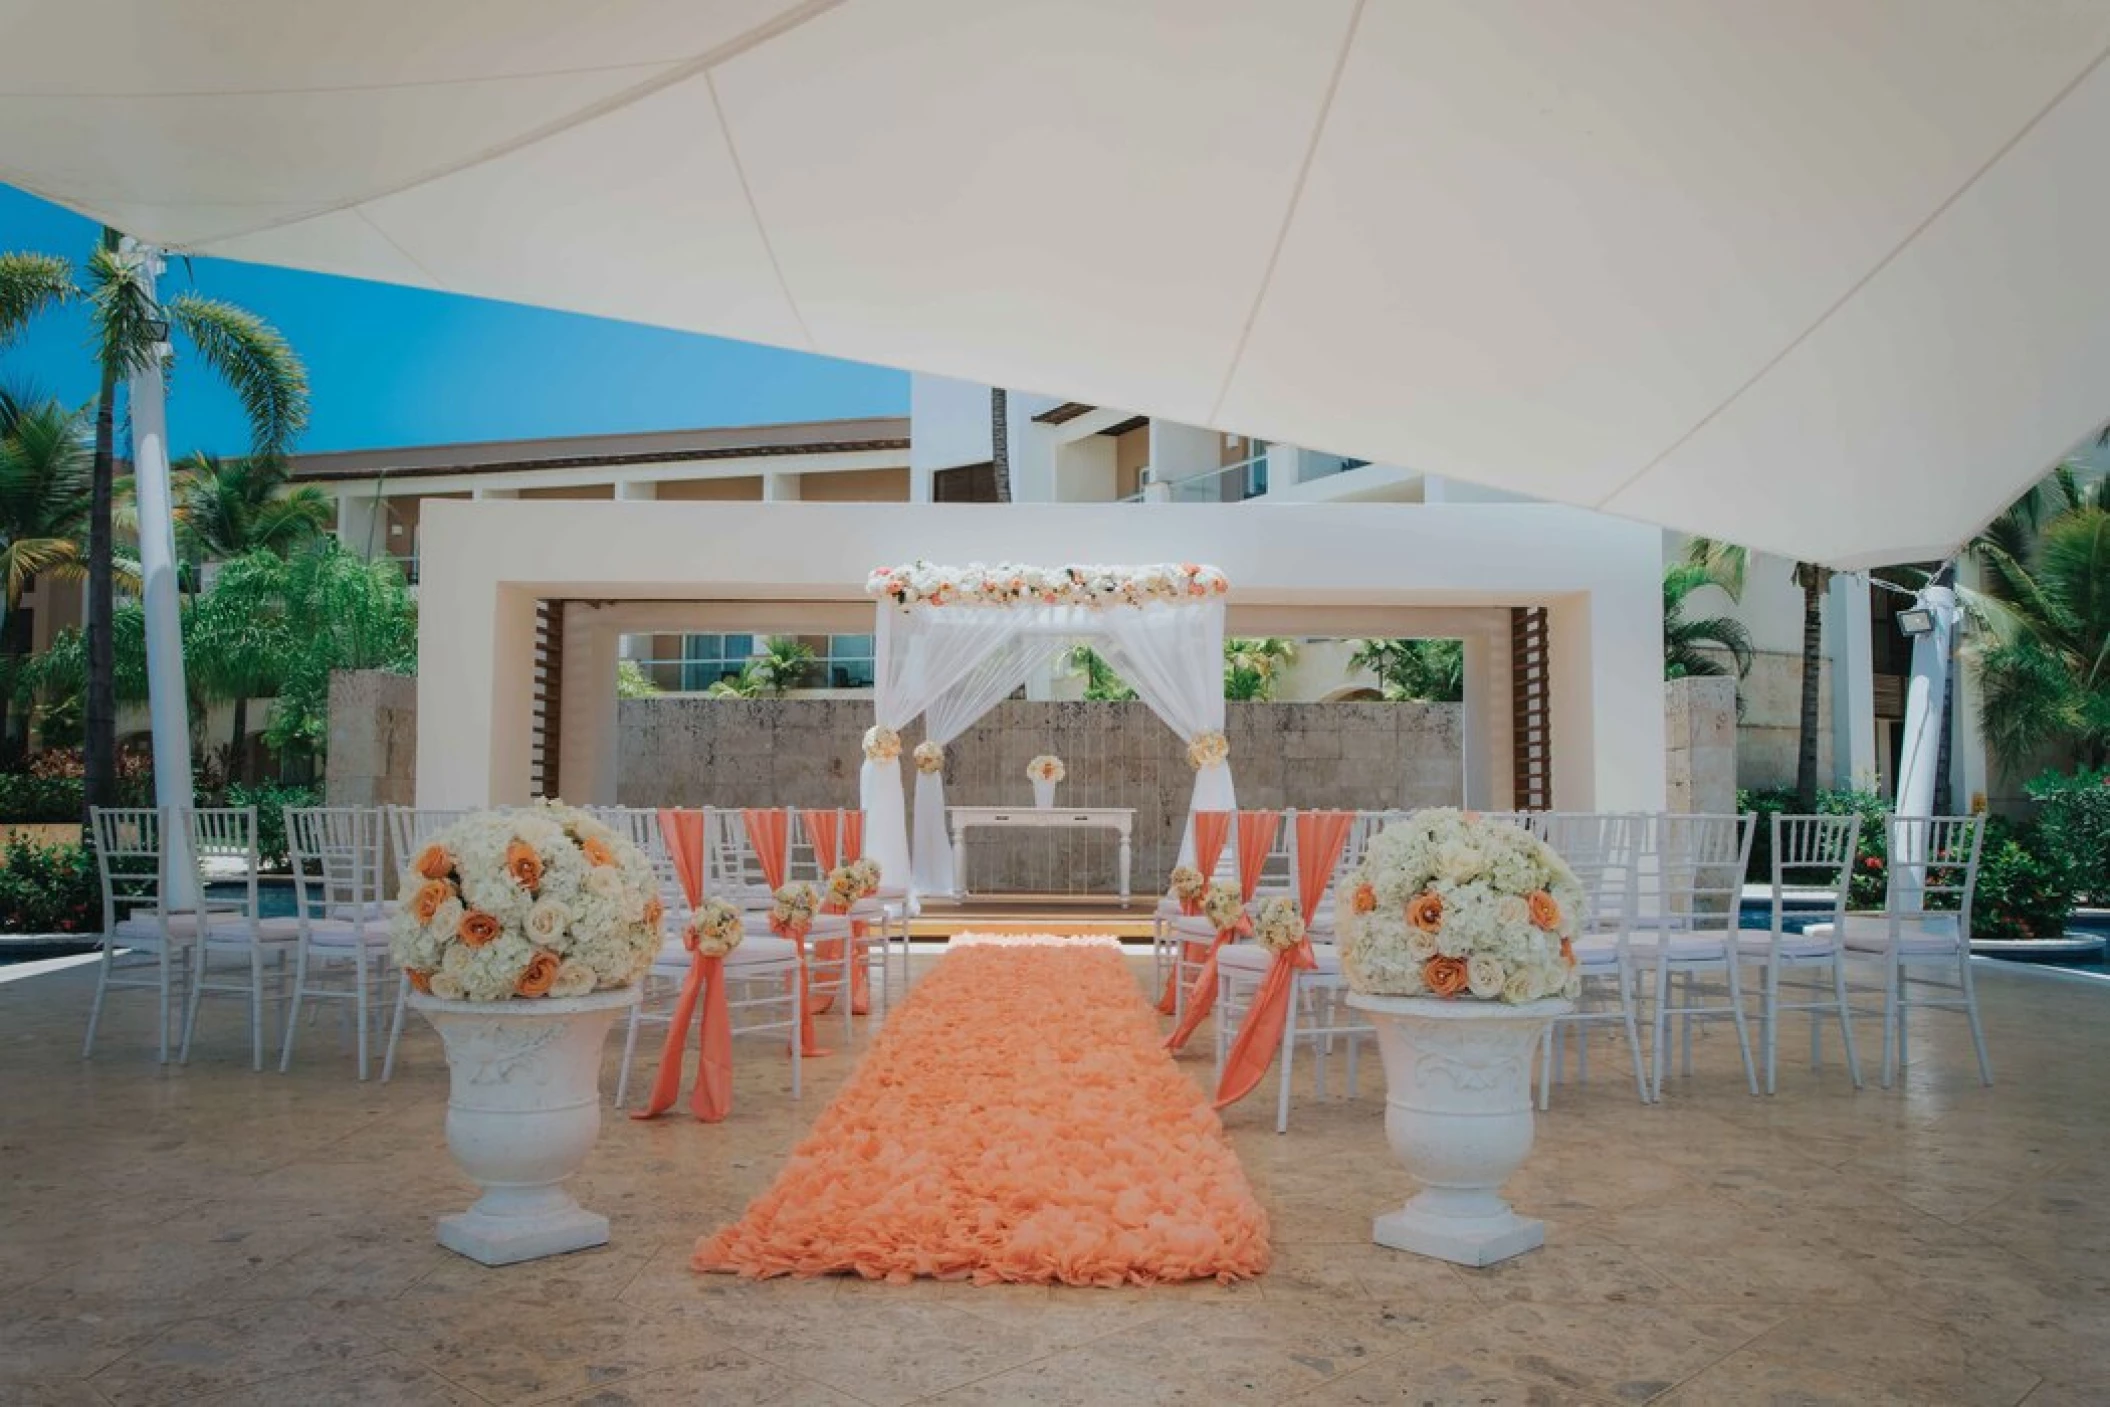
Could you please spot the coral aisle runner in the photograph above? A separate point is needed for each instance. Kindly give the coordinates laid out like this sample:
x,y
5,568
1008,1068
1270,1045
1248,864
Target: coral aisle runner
x,y
1016,1120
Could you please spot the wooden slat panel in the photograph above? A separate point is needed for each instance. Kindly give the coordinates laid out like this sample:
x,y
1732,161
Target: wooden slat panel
x,y
546,710
1531,708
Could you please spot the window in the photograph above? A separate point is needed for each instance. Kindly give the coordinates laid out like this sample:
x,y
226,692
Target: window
x,y
706,659
850,661
972,483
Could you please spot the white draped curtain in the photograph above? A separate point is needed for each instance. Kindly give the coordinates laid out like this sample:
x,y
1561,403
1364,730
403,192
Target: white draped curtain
x,y
952,664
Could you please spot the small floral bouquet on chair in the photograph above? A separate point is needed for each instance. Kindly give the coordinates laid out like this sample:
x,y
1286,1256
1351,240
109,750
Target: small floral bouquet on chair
x,y
1223,906
792,909
714,930
844,888
1281,927
1188,885
1447,904
1046,768
866,872
544,901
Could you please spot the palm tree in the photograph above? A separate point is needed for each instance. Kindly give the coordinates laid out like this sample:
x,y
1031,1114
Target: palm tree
x,y
2044,668
1693,648
43,517
1431,670
1000,442
784,664
1728,561
1253,666
128,325
227,508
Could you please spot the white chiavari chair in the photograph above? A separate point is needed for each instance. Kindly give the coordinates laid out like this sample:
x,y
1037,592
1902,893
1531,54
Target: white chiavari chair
x,y
1603,850
140,929
1691,932
1926,924
223,839
872,911
1813,859
337,854
409,827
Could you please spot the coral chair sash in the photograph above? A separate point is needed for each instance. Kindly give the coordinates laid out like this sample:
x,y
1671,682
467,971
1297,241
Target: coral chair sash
x,y
1256,836
768,833
820,829
854,837
712,1097
1320,838
1210,830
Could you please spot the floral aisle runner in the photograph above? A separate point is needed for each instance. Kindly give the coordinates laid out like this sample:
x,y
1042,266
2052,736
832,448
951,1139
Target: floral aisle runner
x,y
1016,1120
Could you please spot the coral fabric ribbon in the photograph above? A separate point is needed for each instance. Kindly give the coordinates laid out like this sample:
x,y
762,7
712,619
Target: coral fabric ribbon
x,y
1210,830
1320,836
712,1097
821,830
769,834
1256,836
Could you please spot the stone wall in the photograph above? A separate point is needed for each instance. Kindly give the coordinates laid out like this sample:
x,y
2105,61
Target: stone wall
x,y
373,755
1700,745
1769,734
805,752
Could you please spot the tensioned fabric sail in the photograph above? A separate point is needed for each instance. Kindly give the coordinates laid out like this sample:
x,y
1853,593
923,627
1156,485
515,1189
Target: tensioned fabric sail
x,y
1822,276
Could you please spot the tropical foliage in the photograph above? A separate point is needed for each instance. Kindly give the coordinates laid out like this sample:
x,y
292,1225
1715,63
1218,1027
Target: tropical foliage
x,y
1433,670
1726,563
784,664
1695,647
1101,683
227,508
1253,667
2044,664
2073,811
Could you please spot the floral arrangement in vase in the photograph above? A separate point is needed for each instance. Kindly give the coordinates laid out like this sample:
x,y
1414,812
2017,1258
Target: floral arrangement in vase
x,y
1280,926
1187,886
930,757
1011,584
544,901
714,930
1447,904
882,744
1046,768
792,908
1210,749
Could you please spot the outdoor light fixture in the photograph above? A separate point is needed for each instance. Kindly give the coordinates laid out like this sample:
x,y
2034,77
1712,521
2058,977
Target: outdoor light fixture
x,y
1916,621
158,329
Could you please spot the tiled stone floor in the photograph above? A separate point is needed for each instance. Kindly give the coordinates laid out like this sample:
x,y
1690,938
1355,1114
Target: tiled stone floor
x,y
215,1235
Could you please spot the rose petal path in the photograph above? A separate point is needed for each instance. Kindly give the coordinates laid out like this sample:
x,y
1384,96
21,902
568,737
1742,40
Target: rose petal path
x,y
1015,1120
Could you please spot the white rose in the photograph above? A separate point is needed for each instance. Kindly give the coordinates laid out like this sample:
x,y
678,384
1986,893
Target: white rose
x,y
1421,946
447,988
1511,911
546,922
1522,986
604,883
574,979
1485,976
1454,941
446,919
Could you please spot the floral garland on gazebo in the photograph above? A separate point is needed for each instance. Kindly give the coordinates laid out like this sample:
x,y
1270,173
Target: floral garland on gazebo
x,y
1013,584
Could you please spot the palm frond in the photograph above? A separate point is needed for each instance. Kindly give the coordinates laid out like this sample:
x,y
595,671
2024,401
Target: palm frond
x,y
123,312
255,361
30,283
1721,563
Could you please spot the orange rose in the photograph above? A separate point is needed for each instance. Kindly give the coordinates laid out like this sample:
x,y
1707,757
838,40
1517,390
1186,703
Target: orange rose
x,y
598,854
420,979
431,894
434,862
1445,976
654,911
540,976
1365,898
1425,912
1545,913
1568,951
524,865
478,928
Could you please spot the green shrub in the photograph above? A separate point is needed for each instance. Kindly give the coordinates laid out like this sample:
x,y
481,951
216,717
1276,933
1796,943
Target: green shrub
x,y
2025,885
26,800
49,889
271,800
2074,813
1871,875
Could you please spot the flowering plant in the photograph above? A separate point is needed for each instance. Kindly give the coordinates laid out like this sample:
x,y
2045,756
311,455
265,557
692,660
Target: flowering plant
x,y
544,901
1011,584
714,930
1446,904
792,909
882,744
1223,905
866,872
1280,927
1187,886
1046,768
1208,750
930,757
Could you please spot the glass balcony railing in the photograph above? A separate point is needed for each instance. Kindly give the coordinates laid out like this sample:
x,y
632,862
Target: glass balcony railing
x,y
1234,483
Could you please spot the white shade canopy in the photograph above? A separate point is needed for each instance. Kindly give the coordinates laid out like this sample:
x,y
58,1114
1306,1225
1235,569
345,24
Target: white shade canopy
x,y
1827,277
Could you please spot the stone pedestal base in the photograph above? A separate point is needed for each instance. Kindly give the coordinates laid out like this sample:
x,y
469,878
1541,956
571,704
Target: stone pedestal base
x,y
1474,1241
504,1240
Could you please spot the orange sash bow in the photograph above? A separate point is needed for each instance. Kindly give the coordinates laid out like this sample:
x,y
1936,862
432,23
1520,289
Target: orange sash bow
x,y
1211,828
712,1097
769,833
1256,836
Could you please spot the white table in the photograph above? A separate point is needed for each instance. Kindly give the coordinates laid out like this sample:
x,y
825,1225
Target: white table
x,y
1121,819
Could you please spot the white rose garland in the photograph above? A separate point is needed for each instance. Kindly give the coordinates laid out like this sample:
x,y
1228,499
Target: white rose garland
x,y
1013,584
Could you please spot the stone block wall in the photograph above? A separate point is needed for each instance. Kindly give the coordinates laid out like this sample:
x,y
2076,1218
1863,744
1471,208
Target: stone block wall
x,y
1700,745
806,752
373,753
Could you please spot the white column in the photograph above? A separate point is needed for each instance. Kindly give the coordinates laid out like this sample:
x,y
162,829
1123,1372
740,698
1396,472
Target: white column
x,y
166,704
780,488
361,523
1853,683
633,491
1606,649
1285,467
476,677
482,491
586,741
1479,698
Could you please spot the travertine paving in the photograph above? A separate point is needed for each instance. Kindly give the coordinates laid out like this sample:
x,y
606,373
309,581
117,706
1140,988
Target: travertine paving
x,y
214,1235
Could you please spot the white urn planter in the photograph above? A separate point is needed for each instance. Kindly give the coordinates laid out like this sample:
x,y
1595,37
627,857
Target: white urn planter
x,y
1043,794
523,1112
1458,1115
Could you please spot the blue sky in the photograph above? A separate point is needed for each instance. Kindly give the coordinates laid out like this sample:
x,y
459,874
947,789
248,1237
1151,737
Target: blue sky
x,y
397,366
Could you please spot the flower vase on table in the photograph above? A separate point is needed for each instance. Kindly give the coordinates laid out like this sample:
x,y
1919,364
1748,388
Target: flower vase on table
x,y
1044,772
524,934
1456,940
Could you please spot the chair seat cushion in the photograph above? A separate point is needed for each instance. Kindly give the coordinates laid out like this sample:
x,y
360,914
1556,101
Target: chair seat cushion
x,y
1596,950
1250,959
344,933
1792,945
1681,947
225,928
1196,928
762,948
825,926
381,910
